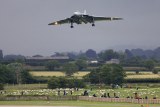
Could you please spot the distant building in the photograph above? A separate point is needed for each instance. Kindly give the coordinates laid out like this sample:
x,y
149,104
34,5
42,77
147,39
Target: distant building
x,y
1,55
94,62
113,61
40,60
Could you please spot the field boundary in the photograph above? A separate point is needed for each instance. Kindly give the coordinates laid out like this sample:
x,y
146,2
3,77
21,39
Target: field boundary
x,y
82,98
37,98
122,100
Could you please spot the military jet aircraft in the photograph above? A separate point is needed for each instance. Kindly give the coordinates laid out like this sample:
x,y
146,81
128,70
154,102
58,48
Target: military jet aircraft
x,y
80,18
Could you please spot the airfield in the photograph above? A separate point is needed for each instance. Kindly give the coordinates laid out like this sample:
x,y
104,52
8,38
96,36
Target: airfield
x,y
35,106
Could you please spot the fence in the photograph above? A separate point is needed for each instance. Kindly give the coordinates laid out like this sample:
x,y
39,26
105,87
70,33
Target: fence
x,y
86,98
124,100
36,97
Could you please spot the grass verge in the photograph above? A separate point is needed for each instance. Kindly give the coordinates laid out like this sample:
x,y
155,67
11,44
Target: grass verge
x,y
75,103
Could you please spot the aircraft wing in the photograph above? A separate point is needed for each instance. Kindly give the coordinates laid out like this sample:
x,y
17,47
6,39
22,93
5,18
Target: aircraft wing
x,y
60,22
106,18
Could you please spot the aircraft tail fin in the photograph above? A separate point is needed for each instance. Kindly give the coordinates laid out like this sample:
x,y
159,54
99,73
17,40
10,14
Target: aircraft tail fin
x,y
85,12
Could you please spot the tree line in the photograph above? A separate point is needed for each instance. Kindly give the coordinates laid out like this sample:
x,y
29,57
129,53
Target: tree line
x,y
134,57
14,73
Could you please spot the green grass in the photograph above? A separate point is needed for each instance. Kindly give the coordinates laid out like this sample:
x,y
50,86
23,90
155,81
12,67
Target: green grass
x,y
74,103
124,92
24,86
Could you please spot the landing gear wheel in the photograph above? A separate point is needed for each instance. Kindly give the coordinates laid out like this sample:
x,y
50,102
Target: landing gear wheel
x,y
93,24
72,26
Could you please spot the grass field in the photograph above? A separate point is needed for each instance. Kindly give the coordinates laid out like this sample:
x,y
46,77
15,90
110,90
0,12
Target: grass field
x,y
41,89
144,76
81,74
35,89
24,86
56,73
74,103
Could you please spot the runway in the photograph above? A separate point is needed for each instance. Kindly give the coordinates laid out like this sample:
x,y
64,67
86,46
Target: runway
x,y
32,106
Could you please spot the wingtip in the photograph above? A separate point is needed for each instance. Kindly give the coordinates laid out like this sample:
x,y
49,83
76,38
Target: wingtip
x,y
50,24
54,23
117,18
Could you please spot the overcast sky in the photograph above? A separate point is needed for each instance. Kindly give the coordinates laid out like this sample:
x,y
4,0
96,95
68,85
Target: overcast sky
x,y
24,26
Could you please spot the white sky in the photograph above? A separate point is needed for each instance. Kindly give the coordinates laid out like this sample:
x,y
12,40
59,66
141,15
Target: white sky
x,y
24,26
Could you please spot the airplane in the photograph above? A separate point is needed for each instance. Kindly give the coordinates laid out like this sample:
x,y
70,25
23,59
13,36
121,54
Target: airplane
x,y
80,18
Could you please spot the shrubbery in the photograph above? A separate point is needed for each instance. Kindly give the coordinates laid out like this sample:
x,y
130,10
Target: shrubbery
x,y
143,80
155,71
62,82
1,86
106,74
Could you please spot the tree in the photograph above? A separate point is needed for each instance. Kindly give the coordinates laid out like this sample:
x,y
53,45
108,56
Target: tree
x,y
14,73
16,68
133,61
108,74
13,58
6,75
69,69
81,55
61,82
93,77
155,71
51,65
116,74
149,64
1,55
53,83
81,64
108,55
26,77
1,86
91,54
128,54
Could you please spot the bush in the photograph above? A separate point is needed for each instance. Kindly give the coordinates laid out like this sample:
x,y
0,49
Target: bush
x,y
155,71
53,83
143,80
1,86
137,71
61,82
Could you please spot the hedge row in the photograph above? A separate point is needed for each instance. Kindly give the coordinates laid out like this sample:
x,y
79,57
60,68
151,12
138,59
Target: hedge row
x,y
1,86
143,80
61,82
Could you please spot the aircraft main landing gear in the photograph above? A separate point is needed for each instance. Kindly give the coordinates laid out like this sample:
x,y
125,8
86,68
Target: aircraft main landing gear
x,y
72,25
93,22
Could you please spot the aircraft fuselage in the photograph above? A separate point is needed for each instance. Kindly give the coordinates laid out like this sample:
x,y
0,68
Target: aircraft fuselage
x,y
80,18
